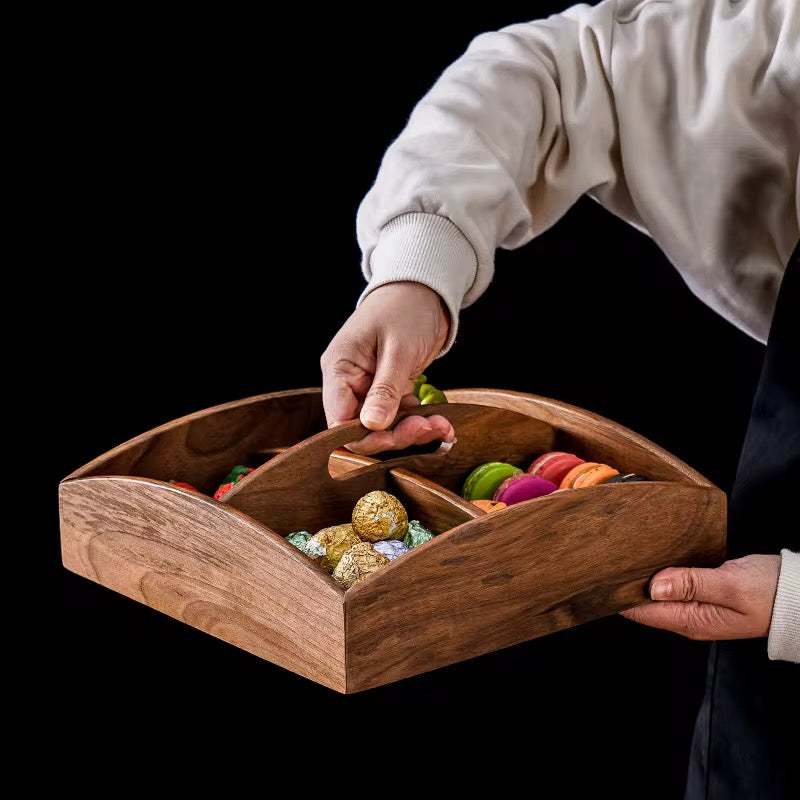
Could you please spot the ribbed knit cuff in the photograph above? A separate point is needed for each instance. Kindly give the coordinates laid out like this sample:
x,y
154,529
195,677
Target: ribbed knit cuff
x,y
426,249
784,630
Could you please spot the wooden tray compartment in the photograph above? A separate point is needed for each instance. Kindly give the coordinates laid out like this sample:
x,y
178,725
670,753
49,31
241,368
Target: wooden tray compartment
x,y
201,448
489,581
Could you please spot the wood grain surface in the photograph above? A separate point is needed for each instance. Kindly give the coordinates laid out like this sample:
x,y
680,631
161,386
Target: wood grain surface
x,y
278,492
208,566
589,435
523,572
434,506
202,448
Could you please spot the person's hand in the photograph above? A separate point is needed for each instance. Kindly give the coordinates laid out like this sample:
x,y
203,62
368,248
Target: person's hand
x,y
369,367
733,601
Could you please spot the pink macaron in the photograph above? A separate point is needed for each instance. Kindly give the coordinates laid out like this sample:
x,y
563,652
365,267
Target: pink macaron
x,y
522,487
554,466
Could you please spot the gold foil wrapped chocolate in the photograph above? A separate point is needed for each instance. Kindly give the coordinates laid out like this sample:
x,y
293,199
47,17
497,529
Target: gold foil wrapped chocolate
x,y
379,515
358,562
330,543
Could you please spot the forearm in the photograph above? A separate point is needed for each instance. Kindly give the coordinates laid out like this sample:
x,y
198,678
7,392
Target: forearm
x,y
784,632
509,137
621,102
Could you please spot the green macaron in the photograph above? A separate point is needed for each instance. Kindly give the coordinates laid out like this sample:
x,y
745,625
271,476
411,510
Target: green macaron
x,y
483,480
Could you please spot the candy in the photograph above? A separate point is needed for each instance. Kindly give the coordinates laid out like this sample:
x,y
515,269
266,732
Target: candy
x,y
314,549
185,486
417,534
358,562
482,482
554,466
594,476
426,392
433,397
522,487
334,541
223,490
237,473
231,479
299,539
379,515
488,505
570,477
391,548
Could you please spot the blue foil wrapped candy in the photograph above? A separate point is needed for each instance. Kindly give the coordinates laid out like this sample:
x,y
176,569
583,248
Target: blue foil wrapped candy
x,y
391,548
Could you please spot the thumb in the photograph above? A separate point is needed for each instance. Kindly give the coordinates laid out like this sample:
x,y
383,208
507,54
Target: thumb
x,y
392,381
684,584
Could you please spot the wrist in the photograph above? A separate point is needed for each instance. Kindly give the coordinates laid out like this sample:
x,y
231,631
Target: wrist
x,y
426,249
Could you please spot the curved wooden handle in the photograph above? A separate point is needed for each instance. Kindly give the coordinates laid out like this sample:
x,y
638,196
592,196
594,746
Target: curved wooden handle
x,y
301,473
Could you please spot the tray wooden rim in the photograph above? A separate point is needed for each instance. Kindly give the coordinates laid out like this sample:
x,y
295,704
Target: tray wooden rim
x,y
140,438
509,399
600,422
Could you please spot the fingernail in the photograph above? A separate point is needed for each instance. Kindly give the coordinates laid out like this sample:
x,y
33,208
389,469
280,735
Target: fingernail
x,y
661,589
374,416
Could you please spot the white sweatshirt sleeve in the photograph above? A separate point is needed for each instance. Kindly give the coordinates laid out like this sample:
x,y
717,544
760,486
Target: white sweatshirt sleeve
x,y
682,117
784,631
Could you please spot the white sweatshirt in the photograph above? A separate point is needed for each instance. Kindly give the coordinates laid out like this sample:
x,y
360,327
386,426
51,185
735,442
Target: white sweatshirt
x,y
682,117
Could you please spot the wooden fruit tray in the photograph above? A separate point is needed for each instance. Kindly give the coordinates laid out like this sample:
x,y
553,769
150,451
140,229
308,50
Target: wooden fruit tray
x,y
486,581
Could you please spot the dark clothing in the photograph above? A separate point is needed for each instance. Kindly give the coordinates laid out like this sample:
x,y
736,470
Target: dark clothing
x,y
747,737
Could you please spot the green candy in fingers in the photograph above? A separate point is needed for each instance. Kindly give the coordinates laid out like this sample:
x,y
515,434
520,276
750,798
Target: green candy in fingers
x,y
433,397
427,393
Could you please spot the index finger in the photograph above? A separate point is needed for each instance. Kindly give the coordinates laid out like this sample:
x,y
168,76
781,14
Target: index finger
x,y
410,431
339,401
343,388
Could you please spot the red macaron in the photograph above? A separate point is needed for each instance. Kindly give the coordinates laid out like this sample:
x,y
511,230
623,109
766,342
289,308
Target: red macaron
x,y
554,466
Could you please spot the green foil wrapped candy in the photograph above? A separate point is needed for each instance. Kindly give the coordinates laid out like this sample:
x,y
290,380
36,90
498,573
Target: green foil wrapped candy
x,y
299,539
417,534
237,473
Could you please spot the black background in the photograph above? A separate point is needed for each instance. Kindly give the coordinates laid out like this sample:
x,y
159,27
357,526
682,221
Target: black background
x,y
209,171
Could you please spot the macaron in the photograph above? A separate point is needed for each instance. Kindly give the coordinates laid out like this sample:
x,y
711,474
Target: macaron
x,y
554,466
484,479
628,477
488,505
569,479
519,488
594,476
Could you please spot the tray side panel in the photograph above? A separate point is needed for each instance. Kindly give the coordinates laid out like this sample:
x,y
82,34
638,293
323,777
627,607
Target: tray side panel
x,y
208,566
593,437
524,572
